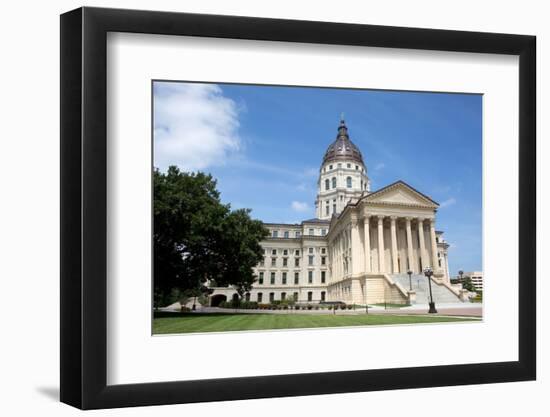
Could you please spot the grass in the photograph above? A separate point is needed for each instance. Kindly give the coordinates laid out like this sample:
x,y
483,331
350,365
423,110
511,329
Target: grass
x,y
171,323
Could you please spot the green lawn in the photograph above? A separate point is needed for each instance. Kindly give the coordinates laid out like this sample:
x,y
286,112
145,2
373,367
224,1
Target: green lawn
x,y
170,323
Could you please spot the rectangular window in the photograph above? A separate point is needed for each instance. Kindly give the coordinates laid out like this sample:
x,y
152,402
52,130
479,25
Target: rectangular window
x,y
273,261
261,278
274,252
285,252
283,295
286,234
323,276
296,278
349,165
285,260
334,208
311,232
262,262
298,234
310,277
330,167
296,261
323,294
275,233
310,261
284,278
323,260
297,252
260,297
310,250
295,295
323,232
271,297
323,250
272,280
310,296
327,209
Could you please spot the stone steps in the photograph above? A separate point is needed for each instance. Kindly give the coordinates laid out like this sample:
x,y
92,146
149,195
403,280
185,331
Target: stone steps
x,y
441,294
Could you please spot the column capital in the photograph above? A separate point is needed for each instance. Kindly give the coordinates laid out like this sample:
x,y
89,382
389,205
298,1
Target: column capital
x,y
420,219
380,219
393,218
432,221
408,219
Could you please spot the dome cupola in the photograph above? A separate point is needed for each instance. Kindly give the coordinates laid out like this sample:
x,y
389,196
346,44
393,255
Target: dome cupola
x,y
343,149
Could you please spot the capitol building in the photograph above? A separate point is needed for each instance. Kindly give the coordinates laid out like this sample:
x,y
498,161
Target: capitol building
x,y
360,246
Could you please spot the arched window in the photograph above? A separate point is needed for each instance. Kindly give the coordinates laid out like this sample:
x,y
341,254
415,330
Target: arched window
x,y
327,184
348,182
333,182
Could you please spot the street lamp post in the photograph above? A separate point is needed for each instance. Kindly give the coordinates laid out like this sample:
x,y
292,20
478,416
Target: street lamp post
x,y
461,273
410,280
429,272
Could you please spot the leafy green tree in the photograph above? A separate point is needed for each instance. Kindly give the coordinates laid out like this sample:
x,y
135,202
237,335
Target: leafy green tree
x,y
197,238
467,284
240,250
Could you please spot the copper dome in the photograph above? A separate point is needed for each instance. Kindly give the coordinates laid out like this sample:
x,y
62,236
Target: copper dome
x,y
343,149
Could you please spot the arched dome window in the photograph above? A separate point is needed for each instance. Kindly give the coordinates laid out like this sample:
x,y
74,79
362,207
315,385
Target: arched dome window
x,y
348,182
333,182
327,184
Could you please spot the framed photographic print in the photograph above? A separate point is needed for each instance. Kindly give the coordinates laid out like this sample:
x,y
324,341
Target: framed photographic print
x,y
259,208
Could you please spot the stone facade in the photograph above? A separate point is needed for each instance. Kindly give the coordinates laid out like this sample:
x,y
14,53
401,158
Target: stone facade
x,y
360,245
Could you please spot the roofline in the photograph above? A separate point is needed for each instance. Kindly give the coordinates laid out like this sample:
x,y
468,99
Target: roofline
x,y
400,182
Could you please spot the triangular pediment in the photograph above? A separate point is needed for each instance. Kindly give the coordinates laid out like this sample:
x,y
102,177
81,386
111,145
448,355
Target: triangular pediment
x,y
400,193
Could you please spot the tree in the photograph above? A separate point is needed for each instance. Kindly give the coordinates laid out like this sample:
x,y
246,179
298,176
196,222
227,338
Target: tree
x,y
240,250
197,238
467,284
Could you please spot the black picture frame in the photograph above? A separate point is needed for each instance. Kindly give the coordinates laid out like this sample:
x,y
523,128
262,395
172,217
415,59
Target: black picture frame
x,y
84,207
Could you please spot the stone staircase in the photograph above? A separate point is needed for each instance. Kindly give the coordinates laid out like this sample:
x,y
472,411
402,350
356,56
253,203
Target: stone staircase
x,y
441,294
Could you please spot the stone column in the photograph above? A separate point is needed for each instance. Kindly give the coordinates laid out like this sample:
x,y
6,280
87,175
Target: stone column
x,y
381,263
355,248
422,247
412,264
395,264
435,263
366,228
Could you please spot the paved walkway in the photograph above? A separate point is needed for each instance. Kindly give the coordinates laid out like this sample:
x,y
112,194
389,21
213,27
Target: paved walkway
x,y
456,309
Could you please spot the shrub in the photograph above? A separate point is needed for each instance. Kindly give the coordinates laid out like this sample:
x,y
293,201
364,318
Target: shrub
x,y
309,307
343,307
185,309
330,307
350,307
316,307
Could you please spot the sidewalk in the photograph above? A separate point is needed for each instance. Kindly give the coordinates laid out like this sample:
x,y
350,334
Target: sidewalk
x,y
452,309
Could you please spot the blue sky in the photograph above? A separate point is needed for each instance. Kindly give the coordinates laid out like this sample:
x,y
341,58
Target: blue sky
x,y
265,144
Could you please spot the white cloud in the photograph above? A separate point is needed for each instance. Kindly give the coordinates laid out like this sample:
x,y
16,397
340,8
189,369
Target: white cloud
x,y
379,166
195,126
299,206
448,202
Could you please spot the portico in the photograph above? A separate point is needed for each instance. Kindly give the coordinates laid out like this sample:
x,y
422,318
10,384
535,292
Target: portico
x,y
389,231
